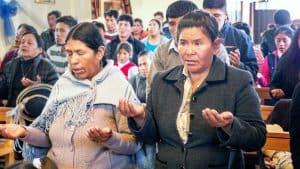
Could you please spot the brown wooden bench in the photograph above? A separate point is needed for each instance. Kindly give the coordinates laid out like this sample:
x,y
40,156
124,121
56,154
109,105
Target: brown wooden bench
x,y
279,141
266,111
6,146
263,93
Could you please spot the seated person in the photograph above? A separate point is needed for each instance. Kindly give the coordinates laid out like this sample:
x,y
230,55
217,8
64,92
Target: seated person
x,y
124,54
27,69
283,38
287,72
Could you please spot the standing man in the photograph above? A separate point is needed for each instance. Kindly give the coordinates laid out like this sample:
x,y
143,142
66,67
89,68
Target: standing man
x,y
166,55
111,17
56,54
237,43
125,23
48,34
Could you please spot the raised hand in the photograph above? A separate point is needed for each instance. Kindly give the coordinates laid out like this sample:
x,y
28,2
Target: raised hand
x,y
134,110
99,135
223,120
12,131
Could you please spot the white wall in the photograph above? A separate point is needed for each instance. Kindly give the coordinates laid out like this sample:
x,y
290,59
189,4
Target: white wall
x,y
145,9
36,15
286,4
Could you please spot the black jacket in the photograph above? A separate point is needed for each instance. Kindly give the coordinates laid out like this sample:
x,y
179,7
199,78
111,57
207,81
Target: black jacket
x,y
111,49
42,67
234,37
295,127
225,89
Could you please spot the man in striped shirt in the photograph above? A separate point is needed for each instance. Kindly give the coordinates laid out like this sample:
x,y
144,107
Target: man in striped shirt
x,y
55,52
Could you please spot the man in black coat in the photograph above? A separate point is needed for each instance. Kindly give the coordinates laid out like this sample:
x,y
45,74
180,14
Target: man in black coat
x,y
125,23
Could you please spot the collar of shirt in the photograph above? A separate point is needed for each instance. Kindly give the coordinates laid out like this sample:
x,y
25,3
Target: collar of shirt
x,y
120,65
185,72
173,46
279,54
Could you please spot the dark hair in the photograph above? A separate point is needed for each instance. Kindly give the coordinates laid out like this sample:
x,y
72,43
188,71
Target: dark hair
x,y
46,163
56,13
27,27
111,13
99,25
242,26
157,21
201,19
160,13
282,17
215,4
139,20
143,52
287,30
271,26
125,17
68,20
88,34
180,8
126,46
21,165
37,37
292,65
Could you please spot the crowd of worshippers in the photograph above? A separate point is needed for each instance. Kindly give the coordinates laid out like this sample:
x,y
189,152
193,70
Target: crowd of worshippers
x,y
176,93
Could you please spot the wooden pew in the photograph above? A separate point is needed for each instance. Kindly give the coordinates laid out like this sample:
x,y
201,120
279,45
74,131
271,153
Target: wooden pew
x,y
263,93
279,141
266,111
275,140
6,146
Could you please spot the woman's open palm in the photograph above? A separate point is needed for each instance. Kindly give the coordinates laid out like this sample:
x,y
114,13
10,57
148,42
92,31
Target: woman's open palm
x,y
12,131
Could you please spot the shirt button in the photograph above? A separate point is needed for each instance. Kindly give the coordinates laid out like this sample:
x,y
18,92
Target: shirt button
x,y
192,115
194,99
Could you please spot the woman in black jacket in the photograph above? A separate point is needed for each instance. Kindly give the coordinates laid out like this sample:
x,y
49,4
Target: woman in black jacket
x,y
27,69
287,72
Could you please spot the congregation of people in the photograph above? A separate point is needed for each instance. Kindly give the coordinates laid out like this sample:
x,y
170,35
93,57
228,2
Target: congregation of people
x,y
177,92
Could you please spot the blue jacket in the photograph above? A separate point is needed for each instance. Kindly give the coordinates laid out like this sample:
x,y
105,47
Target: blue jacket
x,y
234,37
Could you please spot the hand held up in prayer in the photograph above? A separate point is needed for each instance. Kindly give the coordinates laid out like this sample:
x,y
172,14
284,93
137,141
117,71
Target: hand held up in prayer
x,y
27,82
99,135
134,110
12,131
223,120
